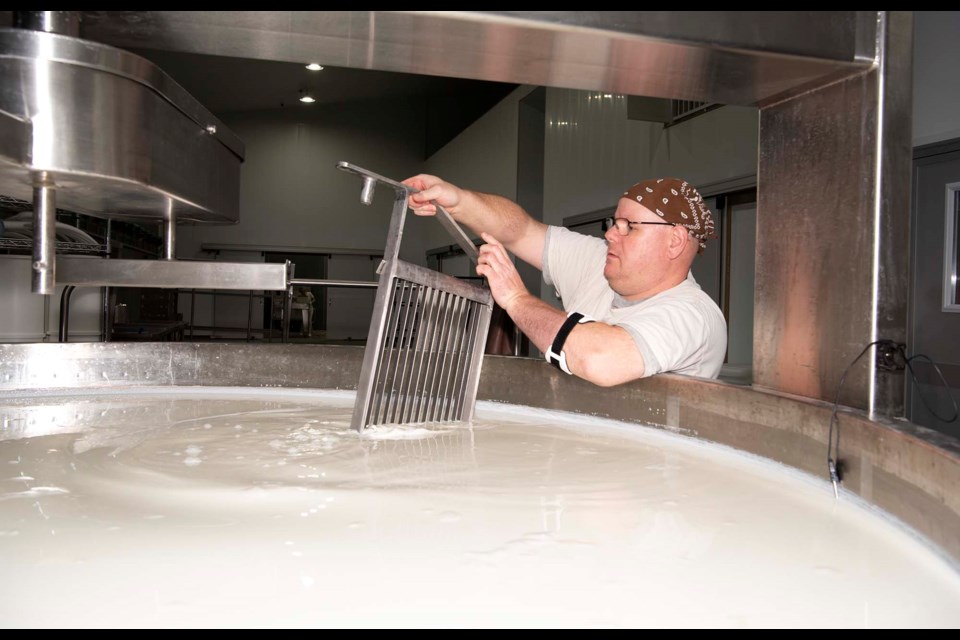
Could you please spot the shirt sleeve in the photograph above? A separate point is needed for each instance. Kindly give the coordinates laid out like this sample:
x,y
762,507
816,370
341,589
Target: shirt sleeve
x,y
569,259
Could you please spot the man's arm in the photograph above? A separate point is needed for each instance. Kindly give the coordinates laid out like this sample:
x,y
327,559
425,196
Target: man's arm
x,y
482,212
600,353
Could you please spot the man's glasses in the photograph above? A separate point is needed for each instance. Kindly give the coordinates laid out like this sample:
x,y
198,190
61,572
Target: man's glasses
x,y
624,226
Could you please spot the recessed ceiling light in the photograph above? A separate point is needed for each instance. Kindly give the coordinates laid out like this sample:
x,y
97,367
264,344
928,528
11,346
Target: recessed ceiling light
x,y
306,97
313,66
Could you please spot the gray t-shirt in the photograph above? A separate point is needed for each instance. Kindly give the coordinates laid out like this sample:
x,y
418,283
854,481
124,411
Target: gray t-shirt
x,y
680,330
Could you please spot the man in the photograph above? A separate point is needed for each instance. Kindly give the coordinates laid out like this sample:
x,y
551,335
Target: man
x,y
635,310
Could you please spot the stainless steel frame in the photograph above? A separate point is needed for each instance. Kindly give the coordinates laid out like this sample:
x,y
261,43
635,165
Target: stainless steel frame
x,y
43,276
172,274
116,135
833,215
729,57
104,132
425,345
906,470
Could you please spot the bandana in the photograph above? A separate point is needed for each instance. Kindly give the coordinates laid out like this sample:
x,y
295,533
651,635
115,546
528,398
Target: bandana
x,y
676,201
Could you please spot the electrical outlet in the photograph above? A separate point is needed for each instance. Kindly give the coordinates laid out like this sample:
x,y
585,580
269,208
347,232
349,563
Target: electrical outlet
x,y
889,357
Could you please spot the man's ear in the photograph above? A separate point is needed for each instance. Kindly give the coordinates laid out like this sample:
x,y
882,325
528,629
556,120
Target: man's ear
x,y
679,237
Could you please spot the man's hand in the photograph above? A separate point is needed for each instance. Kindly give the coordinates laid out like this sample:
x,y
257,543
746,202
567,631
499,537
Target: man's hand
x,y
432,189
501,274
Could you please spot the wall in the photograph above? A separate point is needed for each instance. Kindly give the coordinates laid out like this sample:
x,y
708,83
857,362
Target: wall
x,y
594,153
936,119
936,84
483,157
291,194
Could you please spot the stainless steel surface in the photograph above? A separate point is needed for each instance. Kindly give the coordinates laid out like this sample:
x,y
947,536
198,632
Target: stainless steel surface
x,y
16,136
117,135
63,22
274,248
285,321
726,57
354,284
169,232
172,274
249,315
382,306
891,246
832,232
19,44
427,334
366,192
86,365
910,472
427,363
441,281
459,235
44,271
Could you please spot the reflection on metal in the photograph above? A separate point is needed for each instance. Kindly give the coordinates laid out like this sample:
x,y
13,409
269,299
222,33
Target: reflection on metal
x,y
743,58
425,345
347,284
366,193
115,134
169,232
44,236
214,247
172,274
832,231
65,23
908,471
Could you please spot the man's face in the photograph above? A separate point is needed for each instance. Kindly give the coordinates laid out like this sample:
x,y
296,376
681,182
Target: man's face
x,y
637,261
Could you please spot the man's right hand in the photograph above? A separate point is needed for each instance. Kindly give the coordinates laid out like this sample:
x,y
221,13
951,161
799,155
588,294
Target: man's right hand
x,y
432,189
481,212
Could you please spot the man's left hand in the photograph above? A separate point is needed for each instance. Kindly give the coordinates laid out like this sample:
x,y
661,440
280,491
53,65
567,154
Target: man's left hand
x,y
501,274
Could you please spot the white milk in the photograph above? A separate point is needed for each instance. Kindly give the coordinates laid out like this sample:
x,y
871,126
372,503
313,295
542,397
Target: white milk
x,y
230,507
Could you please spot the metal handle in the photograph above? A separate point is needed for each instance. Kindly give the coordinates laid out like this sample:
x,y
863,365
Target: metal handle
x,y
443,216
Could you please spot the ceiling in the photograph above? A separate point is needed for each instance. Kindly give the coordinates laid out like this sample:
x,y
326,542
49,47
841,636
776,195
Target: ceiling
x,y
230,85
224,84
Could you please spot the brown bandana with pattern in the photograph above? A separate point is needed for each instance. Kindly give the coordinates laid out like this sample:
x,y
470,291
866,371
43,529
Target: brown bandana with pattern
x,y
678,202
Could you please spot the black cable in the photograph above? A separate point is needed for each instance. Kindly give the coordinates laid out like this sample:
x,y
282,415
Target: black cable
x,y
833,450
913,376
833,446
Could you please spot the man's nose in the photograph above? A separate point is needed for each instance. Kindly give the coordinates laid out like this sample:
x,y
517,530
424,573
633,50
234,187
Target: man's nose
x,y
612,235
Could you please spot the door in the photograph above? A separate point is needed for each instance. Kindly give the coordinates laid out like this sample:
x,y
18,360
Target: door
x,y
934,304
